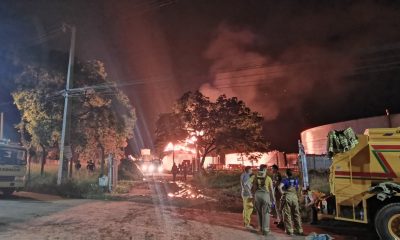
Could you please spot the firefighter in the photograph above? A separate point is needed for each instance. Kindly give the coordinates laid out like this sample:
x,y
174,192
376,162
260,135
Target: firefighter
x,y
312,201
247,196
264,198
174,171
276,180
290,204
78,165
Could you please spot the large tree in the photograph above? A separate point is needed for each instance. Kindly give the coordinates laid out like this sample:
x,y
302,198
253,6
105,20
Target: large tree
x,y
40,115
102,117
103,113
224,125
169,128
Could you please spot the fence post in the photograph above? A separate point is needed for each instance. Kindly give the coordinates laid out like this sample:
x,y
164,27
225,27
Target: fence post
x,y
110,172
115,175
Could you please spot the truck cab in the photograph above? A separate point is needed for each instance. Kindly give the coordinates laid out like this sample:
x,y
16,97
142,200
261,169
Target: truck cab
x,y
151,167
12,167
365,181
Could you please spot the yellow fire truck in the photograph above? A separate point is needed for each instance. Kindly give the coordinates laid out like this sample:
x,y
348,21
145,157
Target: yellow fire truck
x,y
365,181
12,167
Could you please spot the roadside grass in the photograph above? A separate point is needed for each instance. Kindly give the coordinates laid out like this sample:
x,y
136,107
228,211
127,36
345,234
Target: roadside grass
x,y
218,179
82,184
123,187
231,180
225,187
222,186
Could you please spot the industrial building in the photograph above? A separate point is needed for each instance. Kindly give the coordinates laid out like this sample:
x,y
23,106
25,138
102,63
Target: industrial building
x,y
281,159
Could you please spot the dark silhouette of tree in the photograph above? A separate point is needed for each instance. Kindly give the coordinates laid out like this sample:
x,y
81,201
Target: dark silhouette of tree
x,y
226,124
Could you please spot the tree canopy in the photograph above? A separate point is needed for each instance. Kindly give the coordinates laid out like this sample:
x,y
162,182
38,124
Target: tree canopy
x,y
224,125
169,128
40,115
102,118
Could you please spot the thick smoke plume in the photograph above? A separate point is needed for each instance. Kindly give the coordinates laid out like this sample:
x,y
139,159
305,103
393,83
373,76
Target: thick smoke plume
x,y
279,65
268,84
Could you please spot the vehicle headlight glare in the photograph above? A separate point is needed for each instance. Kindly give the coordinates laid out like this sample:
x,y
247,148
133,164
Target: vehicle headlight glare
x,y
19,178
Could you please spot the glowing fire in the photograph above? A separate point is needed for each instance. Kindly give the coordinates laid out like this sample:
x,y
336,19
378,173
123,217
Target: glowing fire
x,y
179,147
185,146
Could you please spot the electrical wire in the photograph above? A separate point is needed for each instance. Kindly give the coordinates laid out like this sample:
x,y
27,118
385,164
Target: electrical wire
x,y
224,82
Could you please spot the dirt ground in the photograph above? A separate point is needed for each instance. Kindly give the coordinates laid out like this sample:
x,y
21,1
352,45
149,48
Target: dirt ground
x,y
148,212
82,219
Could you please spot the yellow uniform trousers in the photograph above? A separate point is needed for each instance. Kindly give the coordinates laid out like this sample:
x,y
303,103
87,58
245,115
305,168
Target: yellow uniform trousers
x,y
247,210
291,212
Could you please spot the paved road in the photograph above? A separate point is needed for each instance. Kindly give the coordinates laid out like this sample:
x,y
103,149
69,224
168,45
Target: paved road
x,y
146,213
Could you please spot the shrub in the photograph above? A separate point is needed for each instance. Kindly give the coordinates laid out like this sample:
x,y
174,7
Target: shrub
x,y
128,170
218,180
123,187
83,185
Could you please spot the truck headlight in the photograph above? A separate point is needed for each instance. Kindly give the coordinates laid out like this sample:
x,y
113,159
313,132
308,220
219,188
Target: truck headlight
x,y
151,168
19,179
160,169
144,168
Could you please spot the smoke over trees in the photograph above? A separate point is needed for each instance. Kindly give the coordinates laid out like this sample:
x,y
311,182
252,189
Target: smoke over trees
x,y
278,66
299,63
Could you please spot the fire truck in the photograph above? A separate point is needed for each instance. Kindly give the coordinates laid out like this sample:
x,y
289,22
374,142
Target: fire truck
x,y
12,167
365,182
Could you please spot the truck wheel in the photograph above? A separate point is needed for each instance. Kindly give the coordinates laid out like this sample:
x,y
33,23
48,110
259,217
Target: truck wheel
x,y
7,191
387,222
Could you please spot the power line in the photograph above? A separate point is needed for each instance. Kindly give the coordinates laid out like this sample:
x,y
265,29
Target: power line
x,y
5,103
46,36
109,88
246,83
265,77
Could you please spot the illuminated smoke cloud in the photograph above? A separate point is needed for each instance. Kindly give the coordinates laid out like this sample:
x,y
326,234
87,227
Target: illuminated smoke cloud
x,y
268,85
238,71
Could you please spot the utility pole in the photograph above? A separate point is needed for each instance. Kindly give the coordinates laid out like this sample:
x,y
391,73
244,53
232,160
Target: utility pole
x,y
173,153
65,135
1,125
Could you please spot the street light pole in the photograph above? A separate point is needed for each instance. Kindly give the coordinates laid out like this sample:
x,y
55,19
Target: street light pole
x,y
173,153
198,165
1,125
65,138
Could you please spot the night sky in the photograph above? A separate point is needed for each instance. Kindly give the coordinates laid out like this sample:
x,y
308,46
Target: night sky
x,y
299,63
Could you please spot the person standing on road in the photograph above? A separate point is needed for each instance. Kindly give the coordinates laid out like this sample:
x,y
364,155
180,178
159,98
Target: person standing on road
x,y
276,180
90,166
263,195
78,165
174,171
290,204
185,171
247,196
312,201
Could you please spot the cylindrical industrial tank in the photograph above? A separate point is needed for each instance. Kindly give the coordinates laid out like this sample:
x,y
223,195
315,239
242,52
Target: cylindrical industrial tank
x,y
315,139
